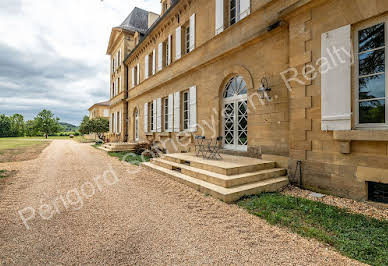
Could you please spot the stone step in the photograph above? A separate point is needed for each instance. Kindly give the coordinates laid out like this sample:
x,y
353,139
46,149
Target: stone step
x,y
228,165
226,181
225,194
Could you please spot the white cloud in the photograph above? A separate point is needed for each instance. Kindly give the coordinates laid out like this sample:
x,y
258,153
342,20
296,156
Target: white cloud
x,y
53,53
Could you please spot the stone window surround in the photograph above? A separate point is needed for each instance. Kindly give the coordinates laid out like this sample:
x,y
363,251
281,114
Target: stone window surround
x,y
356,29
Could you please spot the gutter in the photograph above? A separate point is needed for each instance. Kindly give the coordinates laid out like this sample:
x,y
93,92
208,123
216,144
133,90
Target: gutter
x,y
153,26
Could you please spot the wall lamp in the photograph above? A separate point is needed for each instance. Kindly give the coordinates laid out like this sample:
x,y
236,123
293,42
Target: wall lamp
x,y
264,89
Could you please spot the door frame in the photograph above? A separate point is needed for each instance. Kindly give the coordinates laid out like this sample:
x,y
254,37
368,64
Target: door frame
x,y
235,100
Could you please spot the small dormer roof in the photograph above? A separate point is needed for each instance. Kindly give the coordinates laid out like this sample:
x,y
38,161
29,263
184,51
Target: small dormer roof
x,y
137,20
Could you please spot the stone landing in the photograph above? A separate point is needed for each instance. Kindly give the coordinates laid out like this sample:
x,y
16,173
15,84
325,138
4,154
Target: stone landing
x,y
228,179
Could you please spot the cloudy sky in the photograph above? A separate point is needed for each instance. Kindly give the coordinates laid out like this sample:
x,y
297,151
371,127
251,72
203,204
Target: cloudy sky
x,y
53,54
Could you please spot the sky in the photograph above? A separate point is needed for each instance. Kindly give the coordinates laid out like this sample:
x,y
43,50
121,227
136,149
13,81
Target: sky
x,y
53,54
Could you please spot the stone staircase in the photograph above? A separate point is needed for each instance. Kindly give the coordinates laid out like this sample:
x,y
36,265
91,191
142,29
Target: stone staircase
x,y
118,146
228,179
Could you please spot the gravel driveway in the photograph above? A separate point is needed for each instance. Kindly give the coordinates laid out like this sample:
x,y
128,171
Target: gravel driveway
x,y
131,216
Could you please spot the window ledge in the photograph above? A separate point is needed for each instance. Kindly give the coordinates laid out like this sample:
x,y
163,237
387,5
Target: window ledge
x,y
164,134
365,135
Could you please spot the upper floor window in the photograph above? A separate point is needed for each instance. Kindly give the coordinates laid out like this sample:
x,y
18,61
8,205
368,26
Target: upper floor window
x,y
187,39
232,11
113,64
166,52
371,84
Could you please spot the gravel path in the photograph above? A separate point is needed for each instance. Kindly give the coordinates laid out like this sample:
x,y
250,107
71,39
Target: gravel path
x,y
143,218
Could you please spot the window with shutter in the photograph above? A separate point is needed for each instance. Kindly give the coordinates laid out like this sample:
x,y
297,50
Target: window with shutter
x,y
193,108
219,16
146,66
178,43
336,82
154,114
192,33
245,8
160,56
159,115
169,49
170,113
153,62
138,74
119,126
133,77
177,120
145,117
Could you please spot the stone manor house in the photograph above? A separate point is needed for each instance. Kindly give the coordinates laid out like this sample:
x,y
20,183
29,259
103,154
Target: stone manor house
x,y
297,82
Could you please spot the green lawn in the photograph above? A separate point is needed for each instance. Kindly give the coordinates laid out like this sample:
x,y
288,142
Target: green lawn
x,y
129,157
354,235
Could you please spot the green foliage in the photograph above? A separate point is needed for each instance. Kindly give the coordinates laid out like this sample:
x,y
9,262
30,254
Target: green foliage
x,y
130,157
31,129
84,127
46,123
12,126
354,235
5,126
98,126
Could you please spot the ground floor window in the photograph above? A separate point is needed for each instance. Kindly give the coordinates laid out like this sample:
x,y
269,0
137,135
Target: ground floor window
x,y
371,78
186,111
165,113
151,116
136,125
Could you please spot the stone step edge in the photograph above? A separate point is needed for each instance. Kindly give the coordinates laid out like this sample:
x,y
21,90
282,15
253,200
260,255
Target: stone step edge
x,y
225,179
225,194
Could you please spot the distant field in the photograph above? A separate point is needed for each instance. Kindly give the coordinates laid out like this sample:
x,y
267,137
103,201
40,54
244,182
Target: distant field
x,y
28,148
19,149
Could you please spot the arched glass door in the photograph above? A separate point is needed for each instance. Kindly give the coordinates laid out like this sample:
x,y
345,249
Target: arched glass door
x,y
235,115
137,125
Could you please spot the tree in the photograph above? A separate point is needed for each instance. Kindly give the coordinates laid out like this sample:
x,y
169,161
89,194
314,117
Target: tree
x,y
5,126
31,128
98,126
17,125
84,127
46,123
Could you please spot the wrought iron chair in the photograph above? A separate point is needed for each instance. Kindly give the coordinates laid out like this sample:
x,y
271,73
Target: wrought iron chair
x,y
214,150
200,146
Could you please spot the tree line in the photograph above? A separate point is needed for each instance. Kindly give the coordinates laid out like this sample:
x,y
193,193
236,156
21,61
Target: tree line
x,y
45,123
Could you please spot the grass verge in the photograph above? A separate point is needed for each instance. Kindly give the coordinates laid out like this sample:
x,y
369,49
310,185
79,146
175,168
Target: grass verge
x,y
6,173
15,149
353,235
129,157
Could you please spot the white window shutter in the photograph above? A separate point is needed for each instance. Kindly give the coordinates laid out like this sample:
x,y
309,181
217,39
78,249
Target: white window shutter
x,y
160,56
138,74
159,115
336,82
219,16
114,122
146,117
133,77
146,66
178,39
169,49
120,122
153,62
170,112
245,8
154,115
110,123
177,119
193,109
192,32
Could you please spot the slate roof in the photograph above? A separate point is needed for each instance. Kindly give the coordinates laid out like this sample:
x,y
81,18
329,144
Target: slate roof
x,y
136,21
